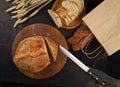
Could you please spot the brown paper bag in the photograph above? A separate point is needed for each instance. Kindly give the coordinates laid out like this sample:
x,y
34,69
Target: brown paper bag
x,y
104,23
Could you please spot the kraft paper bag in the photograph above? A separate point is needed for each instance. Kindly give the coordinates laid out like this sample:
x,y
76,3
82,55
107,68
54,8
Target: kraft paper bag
x,y
104,23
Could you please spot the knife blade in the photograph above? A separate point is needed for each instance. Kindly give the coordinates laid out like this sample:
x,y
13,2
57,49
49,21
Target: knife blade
x,y
81,65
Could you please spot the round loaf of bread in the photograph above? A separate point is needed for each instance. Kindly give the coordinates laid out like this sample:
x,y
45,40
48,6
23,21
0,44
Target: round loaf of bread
x,y
32,54
51,37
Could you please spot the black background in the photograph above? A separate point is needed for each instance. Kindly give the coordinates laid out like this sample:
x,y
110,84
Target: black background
x,y
71,75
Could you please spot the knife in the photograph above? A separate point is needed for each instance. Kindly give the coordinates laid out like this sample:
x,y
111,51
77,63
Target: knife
x,y
81,65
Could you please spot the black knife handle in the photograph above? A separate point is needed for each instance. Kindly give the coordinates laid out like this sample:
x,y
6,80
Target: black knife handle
x,y
98,79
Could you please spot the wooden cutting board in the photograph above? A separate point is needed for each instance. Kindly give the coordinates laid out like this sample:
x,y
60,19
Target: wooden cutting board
x,y
42,30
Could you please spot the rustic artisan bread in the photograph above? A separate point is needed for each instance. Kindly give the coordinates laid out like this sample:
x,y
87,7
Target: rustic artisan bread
x,y
52,47
67,12
80,38
32,54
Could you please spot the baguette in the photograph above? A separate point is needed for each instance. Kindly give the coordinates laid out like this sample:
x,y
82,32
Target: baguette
x,y
78,34
83,41
80,38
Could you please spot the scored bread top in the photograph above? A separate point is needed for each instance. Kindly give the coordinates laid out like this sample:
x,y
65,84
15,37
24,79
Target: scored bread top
x,y
32,54
52,47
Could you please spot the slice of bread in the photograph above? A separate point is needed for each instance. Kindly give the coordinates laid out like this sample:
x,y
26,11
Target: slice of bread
x,y
52,47
80,4
62,12
32,55
69,17
71,7
55,18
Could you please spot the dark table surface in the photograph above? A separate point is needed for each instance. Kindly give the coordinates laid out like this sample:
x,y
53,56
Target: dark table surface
x,y
71,75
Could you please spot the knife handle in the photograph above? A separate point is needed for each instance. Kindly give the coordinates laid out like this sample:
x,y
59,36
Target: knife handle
x,y
98,79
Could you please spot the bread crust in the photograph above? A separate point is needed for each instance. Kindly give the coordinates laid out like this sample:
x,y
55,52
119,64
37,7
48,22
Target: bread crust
x,y
80,38
32,55
52,47
55,18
